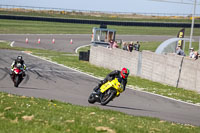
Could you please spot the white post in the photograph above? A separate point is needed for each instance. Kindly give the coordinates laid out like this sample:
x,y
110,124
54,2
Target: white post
x,y
199,44
192,26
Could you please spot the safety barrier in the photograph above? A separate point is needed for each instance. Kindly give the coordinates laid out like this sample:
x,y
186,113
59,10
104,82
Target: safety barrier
x,y
170,69
99,22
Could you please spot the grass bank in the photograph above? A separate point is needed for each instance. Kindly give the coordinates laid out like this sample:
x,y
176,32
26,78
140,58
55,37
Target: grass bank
x,y
38,27
27,114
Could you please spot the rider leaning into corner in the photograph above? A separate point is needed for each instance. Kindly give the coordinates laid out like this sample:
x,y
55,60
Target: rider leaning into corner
x,y
20,61
120,75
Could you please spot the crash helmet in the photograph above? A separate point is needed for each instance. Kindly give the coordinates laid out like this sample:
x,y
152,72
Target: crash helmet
x,y
19,58
124,73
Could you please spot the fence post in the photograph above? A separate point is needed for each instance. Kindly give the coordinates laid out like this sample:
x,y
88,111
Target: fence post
x,y
139,67
179,75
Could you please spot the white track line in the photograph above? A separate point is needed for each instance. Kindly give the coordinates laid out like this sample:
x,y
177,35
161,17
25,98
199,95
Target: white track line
x,y
63,66
76,51
12,43
51,71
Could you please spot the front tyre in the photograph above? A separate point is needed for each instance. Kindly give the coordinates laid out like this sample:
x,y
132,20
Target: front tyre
x,y
16,80
92,99
108,96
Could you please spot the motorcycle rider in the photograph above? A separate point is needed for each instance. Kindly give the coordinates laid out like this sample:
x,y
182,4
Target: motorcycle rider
x,y
120,75
15,62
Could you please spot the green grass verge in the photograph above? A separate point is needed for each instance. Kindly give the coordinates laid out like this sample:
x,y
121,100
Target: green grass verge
x,y
20,114
38,27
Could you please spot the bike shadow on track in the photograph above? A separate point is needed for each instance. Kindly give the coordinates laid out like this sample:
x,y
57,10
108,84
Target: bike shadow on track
x,y
31,88
128,108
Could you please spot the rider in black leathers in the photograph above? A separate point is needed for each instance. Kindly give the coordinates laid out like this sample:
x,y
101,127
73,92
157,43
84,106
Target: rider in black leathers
x,y
21,61
120,75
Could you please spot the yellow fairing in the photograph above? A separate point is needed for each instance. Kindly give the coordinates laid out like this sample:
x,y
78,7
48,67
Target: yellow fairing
x,y
112,84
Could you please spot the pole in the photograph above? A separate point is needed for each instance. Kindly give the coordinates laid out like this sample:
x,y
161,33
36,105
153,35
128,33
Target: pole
x,y
192,26
199,44
184,45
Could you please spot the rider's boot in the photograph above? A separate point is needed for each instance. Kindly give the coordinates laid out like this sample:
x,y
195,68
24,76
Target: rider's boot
x,y
97,90
11,73
23,74
12,76
97,87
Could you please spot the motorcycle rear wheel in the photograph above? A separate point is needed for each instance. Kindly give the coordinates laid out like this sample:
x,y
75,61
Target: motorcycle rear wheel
x,y
108,96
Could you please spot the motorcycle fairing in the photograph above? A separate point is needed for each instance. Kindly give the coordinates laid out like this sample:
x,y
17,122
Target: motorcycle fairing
x,y
114,84
17,71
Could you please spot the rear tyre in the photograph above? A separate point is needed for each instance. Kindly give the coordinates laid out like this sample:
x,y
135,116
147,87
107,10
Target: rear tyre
x,y
91,99
108,96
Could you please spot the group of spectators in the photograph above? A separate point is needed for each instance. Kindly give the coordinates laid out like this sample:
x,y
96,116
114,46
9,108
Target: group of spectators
x,y
193,54
131,46
126,46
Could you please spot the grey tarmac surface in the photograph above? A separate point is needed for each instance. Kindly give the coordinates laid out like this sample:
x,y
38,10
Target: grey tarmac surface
x,y
62,41
51,81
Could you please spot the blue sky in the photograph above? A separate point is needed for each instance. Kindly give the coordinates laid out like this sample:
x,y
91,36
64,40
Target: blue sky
x,y
135,6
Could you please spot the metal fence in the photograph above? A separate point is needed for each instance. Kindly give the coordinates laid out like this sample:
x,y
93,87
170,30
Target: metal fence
x,y
15,7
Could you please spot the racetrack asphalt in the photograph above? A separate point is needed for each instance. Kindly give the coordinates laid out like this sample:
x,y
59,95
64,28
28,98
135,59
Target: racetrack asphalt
x,y
51,81
62,41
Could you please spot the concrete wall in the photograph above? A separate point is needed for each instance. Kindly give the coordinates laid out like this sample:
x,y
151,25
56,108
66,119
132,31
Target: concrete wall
x,y
190,74
114,58
161,68
171,69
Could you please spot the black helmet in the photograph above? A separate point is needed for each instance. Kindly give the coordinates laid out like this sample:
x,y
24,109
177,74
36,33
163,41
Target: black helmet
x,y
19,58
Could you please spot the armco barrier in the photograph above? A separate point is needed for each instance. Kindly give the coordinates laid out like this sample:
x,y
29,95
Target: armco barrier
x,y
171,69
86,21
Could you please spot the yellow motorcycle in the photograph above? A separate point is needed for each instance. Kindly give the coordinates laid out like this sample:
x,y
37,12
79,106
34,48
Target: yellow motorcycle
x,y
109,91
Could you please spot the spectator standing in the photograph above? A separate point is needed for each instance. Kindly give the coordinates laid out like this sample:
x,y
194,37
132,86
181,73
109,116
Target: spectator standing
x,y
125,46
137,46
115,45
191,53
179,51
130,47
111,43
196,55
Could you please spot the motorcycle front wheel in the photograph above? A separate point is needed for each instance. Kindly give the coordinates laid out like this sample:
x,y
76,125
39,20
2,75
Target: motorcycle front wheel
x,y
108,96
16,81
91,98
